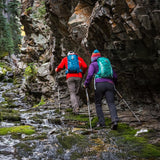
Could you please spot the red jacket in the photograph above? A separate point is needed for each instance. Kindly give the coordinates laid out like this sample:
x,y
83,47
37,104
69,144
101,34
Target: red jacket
x,y
82,65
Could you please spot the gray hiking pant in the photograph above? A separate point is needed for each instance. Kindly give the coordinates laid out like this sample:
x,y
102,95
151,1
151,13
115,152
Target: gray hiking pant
x,y
105,89
73,86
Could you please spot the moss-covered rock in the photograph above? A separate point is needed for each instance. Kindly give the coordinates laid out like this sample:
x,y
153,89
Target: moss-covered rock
x,y
17,130
81,121
40,136
3,54
8,96
55,121
135,146
23,150
85,118
30,72
73,142
95,121
81,117
67,141
3,70
37,119
3,65
9,115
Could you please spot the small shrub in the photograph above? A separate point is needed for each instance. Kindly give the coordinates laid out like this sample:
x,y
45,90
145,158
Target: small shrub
x,y
30,72
28,9
42,102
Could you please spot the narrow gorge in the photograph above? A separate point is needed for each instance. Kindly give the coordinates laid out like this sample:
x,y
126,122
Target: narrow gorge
x,y
36,119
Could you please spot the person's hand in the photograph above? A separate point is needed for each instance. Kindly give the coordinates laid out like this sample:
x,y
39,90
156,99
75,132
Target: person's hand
x,y
56,70
84,86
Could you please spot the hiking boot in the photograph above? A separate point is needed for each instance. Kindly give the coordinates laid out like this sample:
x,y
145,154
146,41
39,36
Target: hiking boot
x,y
114,126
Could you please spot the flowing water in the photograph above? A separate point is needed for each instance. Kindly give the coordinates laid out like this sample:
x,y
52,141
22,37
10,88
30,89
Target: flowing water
x,y
56,138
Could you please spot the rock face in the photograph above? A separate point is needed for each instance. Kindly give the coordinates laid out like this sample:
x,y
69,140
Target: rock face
x,y
126,31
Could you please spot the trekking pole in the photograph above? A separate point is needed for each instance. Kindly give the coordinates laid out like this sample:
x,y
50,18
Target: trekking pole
x,y
126,104
88,109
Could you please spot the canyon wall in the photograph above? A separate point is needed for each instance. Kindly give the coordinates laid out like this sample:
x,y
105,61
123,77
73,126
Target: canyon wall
x,y
126,31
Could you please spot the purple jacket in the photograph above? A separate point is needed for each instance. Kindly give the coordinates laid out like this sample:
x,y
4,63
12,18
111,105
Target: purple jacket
x,y
93,69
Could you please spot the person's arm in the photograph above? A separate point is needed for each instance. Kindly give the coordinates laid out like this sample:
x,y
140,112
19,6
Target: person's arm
x,y
89,75
83,65
61,65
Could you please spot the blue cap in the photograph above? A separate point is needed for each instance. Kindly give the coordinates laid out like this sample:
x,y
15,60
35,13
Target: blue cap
x,y
96,51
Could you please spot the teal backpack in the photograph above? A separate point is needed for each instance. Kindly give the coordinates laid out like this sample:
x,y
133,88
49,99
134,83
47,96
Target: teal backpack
x,y
104,68
73,64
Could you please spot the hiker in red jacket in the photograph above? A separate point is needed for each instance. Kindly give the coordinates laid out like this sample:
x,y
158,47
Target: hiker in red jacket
x,y
75,68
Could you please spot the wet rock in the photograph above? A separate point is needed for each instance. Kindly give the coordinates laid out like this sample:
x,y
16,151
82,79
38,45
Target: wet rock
x,y
43,70
145,21
155,19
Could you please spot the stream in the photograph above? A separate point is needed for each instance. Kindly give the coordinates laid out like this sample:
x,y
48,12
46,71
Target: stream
x,y
57,136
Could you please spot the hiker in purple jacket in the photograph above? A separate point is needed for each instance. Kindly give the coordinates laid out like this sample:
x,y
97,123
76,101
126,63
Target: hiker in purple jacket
x,y
103,87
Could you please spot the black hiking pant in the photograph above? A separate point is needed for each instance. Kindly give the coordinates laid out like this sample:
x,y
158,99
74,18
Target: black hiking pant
x,y
105,89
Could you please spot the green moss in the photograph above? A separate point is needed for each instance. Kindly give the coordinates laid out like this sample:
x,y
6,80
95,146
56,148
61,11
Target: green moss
x,y
41,137
57,111
3,104
82,154
60,151
8,103
28,9
11,105
136,146
9,80
24,147
3,72
17,129
95,121
75,155
56,121
9,115
41,11
85,118
1,117
139,147
150,151
3,65
69,110
30,72
37,119
15,81
78,140
81,118
42,102
8,100
3,54
4,96
124,129
68,141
